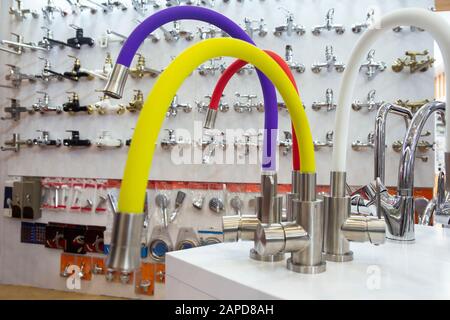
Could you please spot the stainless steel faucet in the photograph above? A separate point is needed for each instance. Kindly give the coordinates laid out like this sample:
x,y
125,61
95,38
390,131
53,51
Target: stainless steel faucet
x,y
78,6
290,27
203,106
110,5
43,105
175,105
212,140
211,67
207,32
21,13
248,104
248,141
16,76
357,28
49,10
253,26
328,143
358,145
176,33
329,25
293,65
141,5
438,208
370,104
19,45
372,67
45,141
330,63
329,102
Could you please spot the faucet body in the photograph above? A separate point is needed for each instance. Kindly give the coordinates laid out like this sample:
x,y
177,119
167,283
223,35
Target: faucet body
x,y
330,63
16,76
357,28
248,104
329,102
14,110
290,27
372,67
359,145
175,105
293,65
413,63
45,141
370,103
251,29
329,25
328,143
15,143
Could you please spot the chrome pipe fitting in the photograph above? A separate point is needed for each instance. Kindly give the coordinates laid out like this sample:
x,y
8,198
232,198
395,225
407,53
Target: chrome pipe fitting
x,y
210,120
116,81
125,248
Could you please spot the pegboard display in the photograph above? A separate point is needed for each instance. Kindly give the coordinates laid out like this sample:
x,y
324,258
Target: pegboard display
x,y
96,163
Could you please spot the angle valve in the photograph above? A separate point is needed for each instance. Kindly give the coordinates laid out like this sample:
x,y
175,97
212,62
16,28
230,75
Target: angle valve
x,y
75,140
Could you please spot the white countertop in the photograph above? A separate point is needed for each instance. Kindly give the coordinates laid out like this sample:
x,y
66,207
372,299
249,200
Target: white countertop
x,y
420,270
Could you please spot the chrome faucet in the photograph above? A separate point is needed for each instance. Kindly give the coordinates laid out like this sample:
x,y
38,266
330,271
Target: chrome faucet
x,y
16,76
78,7
203,106
110,5
176,33
286,143
370,103
293,65
290,27
330,62
329,25
251,28
210,142
371,66
207,32
328,143
175,105
14,110
50,9
19,45
358,145
247,105
45,141
329,102
357,28
15,143
141,5
20,13
103,73
43,105
211,67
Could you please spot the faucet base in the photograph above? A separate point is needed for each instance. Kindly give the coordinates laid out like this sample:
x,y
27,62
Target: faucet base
x,y
348,256
322,267
267,258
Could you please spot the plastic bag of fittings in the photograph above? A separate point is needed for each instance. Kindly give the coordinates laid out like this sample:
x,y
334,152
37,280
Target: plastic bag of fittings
x,y
88,196
65,186
75,195
216,202
101,197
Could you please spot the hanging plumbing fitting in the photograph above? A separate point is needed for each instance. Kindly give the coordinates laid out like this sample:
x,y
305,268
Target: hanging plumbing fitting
x,y
412,105
250,27
328,143
329,102
14,110
47,76
78,7
45,141
370,104
15,143
106,70
43,105
137,103
21,13
16,76
247,105
141,5
75,74
73,106
176,33
49,42
211,67
79,39
412,63
330,62
175,105
105,106
75,141
105,140
286,143
49,10
203,106
290,27
247,69
211,140
107,37
207,32
141,70
372,67
19,46
357,28
329,25
358,145
172,141
289,57
246,143
110,5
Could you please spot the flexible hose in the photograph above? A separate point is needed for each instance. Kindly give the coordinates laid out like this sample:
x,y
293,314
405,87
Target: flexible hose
x,y
151,118
431,22
153,22
231,71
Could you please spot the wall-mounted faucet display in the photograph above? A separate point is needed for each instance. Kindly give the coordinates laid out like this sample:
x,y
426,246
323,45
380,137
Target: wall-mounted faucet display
x,y
75,141
21,13
246,103
103,73
370,104
203,106
45,141
328,143
329,102
358,145
255,26
15,143
137,103
43,105
330,63
49,10
73,105
106,141
175,105
293,65
141,70
290,27
14,110
372,67
172,140
413,63
212,66
357,28
176,33
329,25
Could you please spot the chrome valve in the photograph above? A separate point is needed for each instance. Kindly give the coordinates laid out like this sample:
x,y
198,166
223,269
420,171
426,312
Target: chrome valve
x,y
328,143
21,13
176,33
43,105
106,141
247,105
15,143
203,106
330,62
175,105
255,26
329,102
413,63
358,145
14,110
286,143
290,27
45,141
293,65
357,28
372,67
211,67
329,25
370,103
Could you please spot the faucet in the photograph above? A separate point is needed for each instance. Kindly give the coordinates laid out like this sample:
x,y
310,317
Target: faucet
x,y
330,62
412,63
16,76
15,143
329,102
287,143
46,75
211,67
110,5
107,141
250,28
176,33
357,28
207,32
175,105
78,7
104,106
210,143
290,27
370,103
140,70
75,140
45,141
14,110
104,73
289,57
412,105
137,103
202,107
73,105
248,105
328,143
329,25
358,145
141,5
49,10
20,45
43,104
371,66
20,13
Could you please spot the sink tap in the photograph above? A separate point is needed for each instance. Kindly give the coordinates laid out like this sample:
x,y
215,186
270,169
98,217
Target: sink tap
x,y
20,13
78,7
371,66
46,74
14,110
330,62
329,102
412,105
104,106
176,33
16,76
251,28
286,144
110,5
293,65
50,9
170,141
329,25
74,106
247,105
45,141
137,103
328,143
290,27
358,145
18,47
203,106
412,63
141,5
106,141
175,105
15,143
370,103
140,70
210,142
43,105
208,32
75,140
103,73
211,67
438,208
357,28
